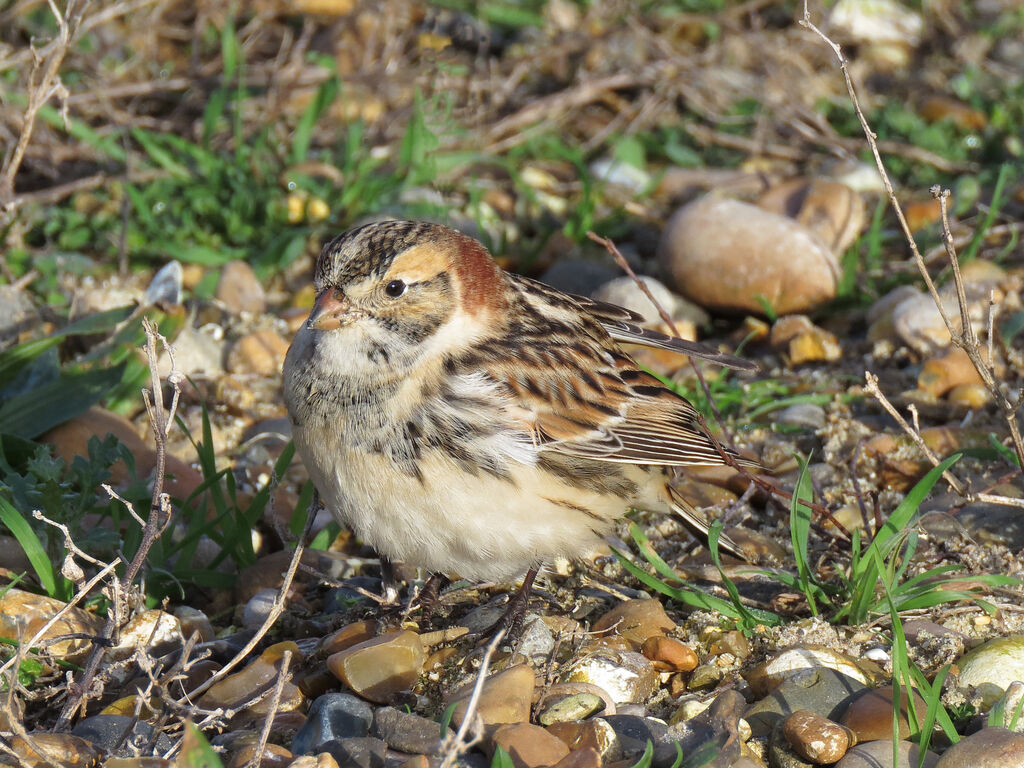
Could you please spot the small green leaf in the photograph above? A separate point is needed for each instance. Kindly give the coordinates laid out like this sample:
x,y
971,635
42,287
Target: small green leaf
x,y
30,544
196,751
502,759
33,413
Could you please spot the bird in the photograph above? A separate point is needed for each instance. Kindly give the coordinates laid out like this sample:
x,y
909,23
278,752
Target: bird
x,y
468,420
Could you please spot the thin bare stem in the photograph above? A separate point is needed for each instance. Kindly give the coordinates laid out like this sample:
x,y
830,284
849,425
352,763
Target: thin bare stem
x,y
962,335
455,744
282,678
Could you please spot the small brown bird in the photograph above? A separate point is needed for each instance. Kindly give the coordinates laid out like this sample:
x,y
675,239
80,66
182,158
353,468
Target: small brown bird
x,y
463,419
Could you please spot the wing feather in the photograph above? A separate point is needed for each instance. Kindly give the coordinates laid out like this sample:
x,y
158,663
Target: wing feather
x,y
625,325
593,401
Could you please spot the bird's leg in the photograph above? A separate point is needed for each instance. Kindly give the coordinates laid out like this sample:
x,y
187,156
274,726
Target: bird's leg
x,y
388,582
512,620
429,597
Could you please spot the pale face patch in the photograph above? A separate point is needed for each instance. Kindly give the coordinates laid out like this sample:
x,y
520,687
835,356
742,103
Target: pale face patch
x,y
418,264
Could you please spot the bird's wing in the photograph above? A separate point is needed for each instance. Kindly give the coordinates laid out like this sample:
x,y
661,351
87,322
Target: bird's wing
x,y
624,325
580,395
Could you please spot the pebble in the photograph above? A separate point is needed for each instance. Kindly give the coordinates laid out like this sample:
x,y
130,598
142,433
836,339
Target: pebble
x,y
596,734
829,208
804,341
802,415
571,689
378,669
166,286
357,752
530,746
633,733
64,749
481,618
729,255
536,641
969,395
194,622
878,754
580,758
71,439
873,22
669,652
763,678
952,369
918,324
734,642
705,676
407,732
870,714
818,689
240,290
815,738
1012,705
997,662
17,313
22,614
505,698
330,717
624,292
578,706
260,353
120,734
636,620
720,724
155,631
988,748
196,354
258,608
626,675
274,756
347,636
260,673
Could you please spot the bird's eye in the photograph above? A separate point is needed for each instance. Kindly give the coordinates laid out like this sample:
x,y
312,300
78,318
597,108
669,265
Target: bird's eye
x,y
395,288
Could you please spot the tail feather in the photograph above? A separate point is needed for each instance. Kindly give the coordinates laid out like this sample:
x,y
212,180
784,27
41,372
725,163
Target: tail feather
x,y
698,525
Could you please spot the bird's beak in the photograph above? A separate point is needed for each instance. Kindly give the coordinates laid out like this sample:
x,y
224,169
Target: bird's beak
x,y
330,311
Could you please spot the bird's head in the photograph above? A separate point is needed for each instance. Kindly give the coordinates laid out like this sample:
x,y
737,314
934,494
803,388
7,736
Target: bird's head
x,y
403,290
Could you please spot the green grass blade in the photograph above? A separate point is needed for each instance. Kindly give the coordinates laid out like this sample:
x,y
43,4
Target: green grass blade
x,y
17,357
686,595
325,96
33,413
799,529
30,544
993,210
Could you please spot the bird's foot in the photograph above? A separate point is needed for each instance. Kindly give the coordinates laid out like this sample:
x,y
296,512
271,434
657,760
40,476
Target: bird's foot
x,y
511,622
428,598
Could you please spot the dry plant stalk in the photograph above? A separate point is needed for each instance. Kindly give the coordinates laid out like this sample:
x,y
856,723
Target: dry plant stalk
x,y
962,335
454,744
282,678
44,83
161,417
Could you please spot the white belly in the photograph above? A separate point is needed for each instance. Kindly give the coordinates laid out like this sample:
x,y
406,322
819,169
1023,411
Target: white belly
x,y
481,527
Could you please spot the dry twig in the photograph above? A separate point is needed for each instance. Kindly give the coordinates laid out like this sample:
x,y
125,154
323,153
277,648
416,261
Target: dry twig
x,y
455,744
962,334
161,417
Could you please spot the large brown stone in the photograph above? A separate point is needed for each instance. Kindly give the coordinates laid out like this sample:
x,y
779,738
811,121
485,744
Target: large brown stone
x,y
72,439
22,614
728,255
870,714
636,620
378,669
505,698
530,746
